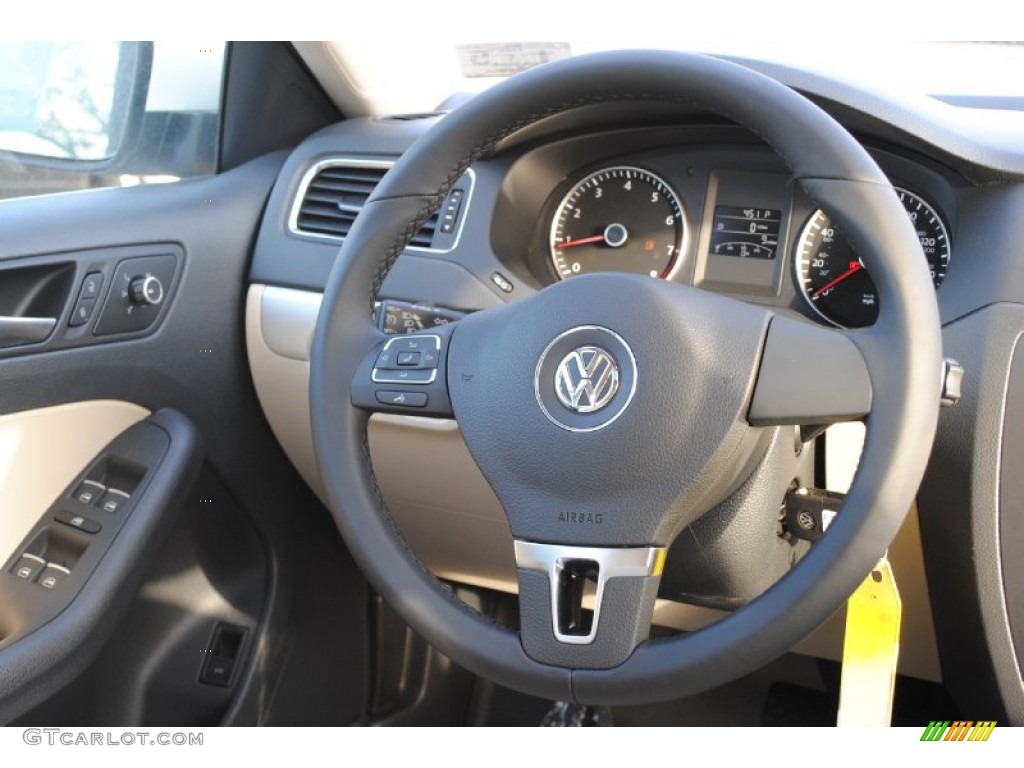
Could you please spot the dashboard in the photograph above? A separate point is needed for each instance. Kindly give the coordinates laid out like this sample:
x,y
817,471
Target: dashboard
x,y
708,206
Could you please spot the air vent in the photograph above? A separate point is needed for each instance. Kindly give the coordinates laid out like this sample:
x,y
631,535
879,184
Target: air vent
x,y
334,191
334,197
425,237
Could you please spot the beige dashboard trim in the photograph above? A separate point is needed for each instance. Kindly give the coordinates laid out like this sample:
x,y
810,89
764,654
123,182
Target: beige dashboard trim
x,y
41,452
281,375
448,512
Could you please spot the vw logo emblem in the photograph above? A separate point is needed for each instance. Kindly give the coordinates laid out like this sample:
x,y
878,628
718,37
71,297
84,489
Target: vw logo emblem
x,y
587,379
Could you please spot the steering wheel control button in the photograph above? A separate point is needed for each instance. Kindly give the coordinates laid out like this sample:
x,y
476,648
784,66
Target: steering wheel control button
x,y
89,492
406,376
52,576
80,522
414,365
585,378
402,399
408,359
113,500
28,567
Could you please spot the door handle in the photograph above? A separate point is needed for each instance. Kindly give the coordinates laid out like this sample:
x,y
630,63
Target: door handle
x,y
25,330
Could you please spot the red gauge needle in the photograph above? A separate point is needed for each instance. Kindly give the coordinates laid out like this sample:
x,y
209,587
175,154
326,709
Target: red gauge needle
x,y
855,267
581,241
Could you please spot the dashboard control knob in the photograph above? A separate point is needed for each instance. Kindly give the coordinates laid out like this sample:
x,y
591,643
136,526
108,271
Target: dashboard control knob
x,y
146,289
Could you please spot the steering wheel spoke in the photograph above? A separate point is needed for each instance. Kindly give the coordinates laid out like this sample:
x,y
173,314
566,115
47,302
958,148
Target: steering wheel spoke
x,y
809,375
586,606
406,374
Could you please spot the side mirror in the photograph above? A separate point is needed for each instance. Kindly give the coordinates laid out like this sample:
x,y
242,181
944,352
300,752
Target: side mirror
x,y
72,105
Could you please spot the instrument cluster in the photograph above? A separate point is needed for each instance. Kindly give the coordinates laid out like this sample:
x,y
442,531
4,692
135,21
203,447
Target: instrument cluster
x,y
749,233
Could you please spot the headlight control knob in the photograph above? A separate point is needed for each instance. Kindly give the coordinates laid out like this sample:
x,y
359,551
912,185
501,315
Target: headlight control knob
x,y
146,289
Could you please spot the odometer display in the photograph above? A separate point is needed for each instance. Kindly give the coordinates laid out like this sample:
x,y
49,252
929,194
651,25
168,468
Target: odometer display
x,y
832,278
621,219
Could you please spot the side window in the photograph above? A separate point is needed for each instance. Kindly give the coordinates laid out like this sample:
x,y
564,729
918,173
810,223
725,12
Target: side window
x,y
81,115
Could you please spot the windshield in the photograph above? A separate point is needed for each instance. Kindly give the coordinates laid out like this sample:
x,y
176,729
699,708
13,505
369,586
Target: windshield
x,y
965,74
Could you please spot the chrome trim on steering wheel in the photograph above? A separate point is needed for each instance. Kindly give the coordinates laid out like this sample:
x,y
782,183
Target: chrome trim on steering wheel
x,y
609,563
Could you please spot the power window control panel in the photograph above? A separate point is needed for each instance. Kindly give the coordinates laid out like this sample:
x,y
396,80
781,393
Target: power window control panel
x,y
81,523
65,555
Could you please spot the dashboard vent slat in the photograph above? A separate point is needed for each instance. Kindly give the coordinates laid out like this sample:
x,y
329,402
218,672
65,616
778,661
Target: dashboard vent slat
x,y
333,197
336,193
425,236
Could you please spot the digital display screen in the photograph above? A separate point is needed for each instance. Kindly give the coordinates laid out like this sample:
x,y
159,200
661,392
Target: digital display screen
x,y
751,233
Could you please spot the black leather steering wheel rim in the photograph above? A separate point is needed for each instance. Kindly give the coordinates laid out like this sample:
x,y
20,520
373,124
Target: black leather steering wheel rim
x,y
902,350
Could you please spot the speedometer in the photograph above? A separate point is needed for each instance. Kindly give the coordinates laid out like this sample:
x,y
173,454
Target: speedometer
x,y
621,219
832,278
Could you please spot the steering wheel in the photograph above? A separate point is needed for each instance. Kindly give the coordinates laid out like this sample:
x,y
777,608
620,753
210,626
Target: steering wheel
x,y
604,434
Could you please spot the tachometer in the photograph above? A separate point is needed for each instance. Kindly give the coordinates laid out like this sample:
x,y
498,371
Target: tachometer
x,y
832,278
621,219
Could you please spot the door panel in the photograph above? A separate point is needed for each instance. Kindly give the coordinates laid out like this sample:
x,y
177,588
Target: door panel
x,y
253,547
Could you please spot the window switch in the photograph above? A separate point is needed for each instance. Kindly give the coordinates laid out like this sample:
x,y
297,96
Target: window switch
x,y
89,492
28,567
113,500
217,671
52,576
80,522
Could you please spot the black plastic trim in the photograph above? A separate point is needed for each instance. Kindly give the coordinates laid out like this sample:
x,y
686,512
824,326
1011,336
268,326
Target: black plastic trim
x,y
262,82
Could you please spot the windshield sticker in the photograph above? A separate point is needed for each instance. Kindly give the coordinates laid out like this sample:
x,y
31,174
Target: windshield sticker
x,y
505,59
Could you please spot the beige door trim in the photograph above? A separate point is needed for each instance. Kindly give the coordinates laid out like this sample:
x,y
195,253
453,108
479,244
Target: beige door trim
x,y
42,450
